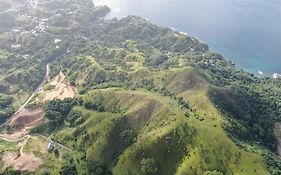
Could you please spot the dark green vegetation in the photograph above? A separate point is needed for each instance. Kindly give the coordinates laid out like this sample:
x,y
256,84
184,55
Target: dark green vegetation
x,y
56,110
5,107
251,118
152,100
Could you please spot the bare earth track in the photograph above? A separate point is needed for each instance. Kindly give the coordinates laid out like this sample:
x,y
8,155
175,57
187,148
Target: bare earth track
x,y
21,161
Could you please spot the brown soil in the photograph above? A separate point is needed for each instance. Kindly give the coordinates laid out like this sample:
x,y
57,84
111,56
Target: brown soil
x,y
27,118
61,89
24,121
22,162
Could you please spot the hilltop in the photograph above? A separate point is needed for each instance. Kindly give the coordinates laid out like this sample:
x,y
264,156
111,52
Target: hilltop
x,y
124,96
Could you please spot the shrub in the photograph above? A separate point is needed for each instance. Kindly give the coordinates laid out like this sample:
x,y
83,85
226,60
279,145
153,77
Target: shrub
x,y
128,137
148,166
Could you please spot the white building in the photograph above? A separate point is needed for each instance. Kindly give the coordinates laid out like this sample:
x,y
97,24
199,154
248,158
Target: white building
x,y
276,76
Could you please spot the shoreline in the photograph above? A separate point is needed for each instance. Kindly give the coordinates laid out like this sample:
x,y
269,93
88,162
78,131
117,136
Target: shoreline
x,y
264,73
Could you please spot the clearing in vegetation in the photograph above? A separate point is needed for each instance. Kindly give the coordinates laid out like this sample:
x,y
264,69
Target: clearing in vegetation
x,y
20,160
23,162
57,89
23,122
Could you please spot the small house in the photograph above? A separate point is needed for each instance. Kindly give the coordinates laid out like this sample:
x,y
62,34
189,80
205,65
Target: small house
x,y
51,147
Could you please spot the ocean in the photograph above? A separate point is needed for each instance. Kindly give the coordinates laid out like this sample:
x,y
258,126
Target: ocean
x,y
247,32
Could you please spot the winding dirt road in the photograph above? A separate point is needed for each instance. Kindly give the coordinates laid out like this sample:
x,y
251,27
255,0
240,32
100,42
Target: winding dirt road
x,y
26,137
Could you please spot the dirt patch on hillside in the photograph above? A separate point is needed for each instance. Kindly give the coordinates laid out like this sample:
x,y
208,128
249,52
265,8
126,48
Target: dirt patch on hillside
x,y
27,118
60,89
22,162
24,121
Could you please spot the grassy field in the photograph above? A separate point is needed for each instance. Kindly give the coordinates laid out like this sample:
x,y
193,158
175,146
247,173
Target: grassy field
x,y
178,144
52,162
7,146
150,116
211,147
214,150
158,128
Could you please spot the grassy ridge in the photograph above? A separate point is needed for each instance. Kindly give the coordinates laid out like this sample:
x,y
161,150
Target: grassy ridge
x,y
212,145
214,150
178,144
152,118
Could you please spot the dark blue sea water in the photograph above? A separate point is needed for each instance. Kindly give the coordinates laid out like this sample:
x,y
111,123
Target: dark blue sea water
x,y
247,32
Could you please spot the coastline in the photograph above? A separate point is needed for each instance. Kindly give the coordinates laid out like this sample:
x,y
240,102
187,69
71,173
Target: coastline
x,y
249,50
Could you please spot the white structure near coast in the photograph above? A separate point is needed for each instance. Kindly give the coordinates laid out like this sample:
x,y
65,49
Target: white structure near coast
x,y
276,76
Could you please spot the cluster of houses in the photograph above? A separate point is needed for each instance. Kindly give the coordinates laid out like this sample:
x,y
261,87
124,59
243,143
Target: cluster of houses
x,y
40,27
209,62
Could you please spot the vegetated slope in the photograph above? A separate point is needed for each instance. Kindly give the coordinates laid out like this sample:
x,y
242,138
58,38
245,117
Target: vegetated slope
x,y
151,100
183,75
145,122
123,131
213,146
32,34
18,77
249,114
